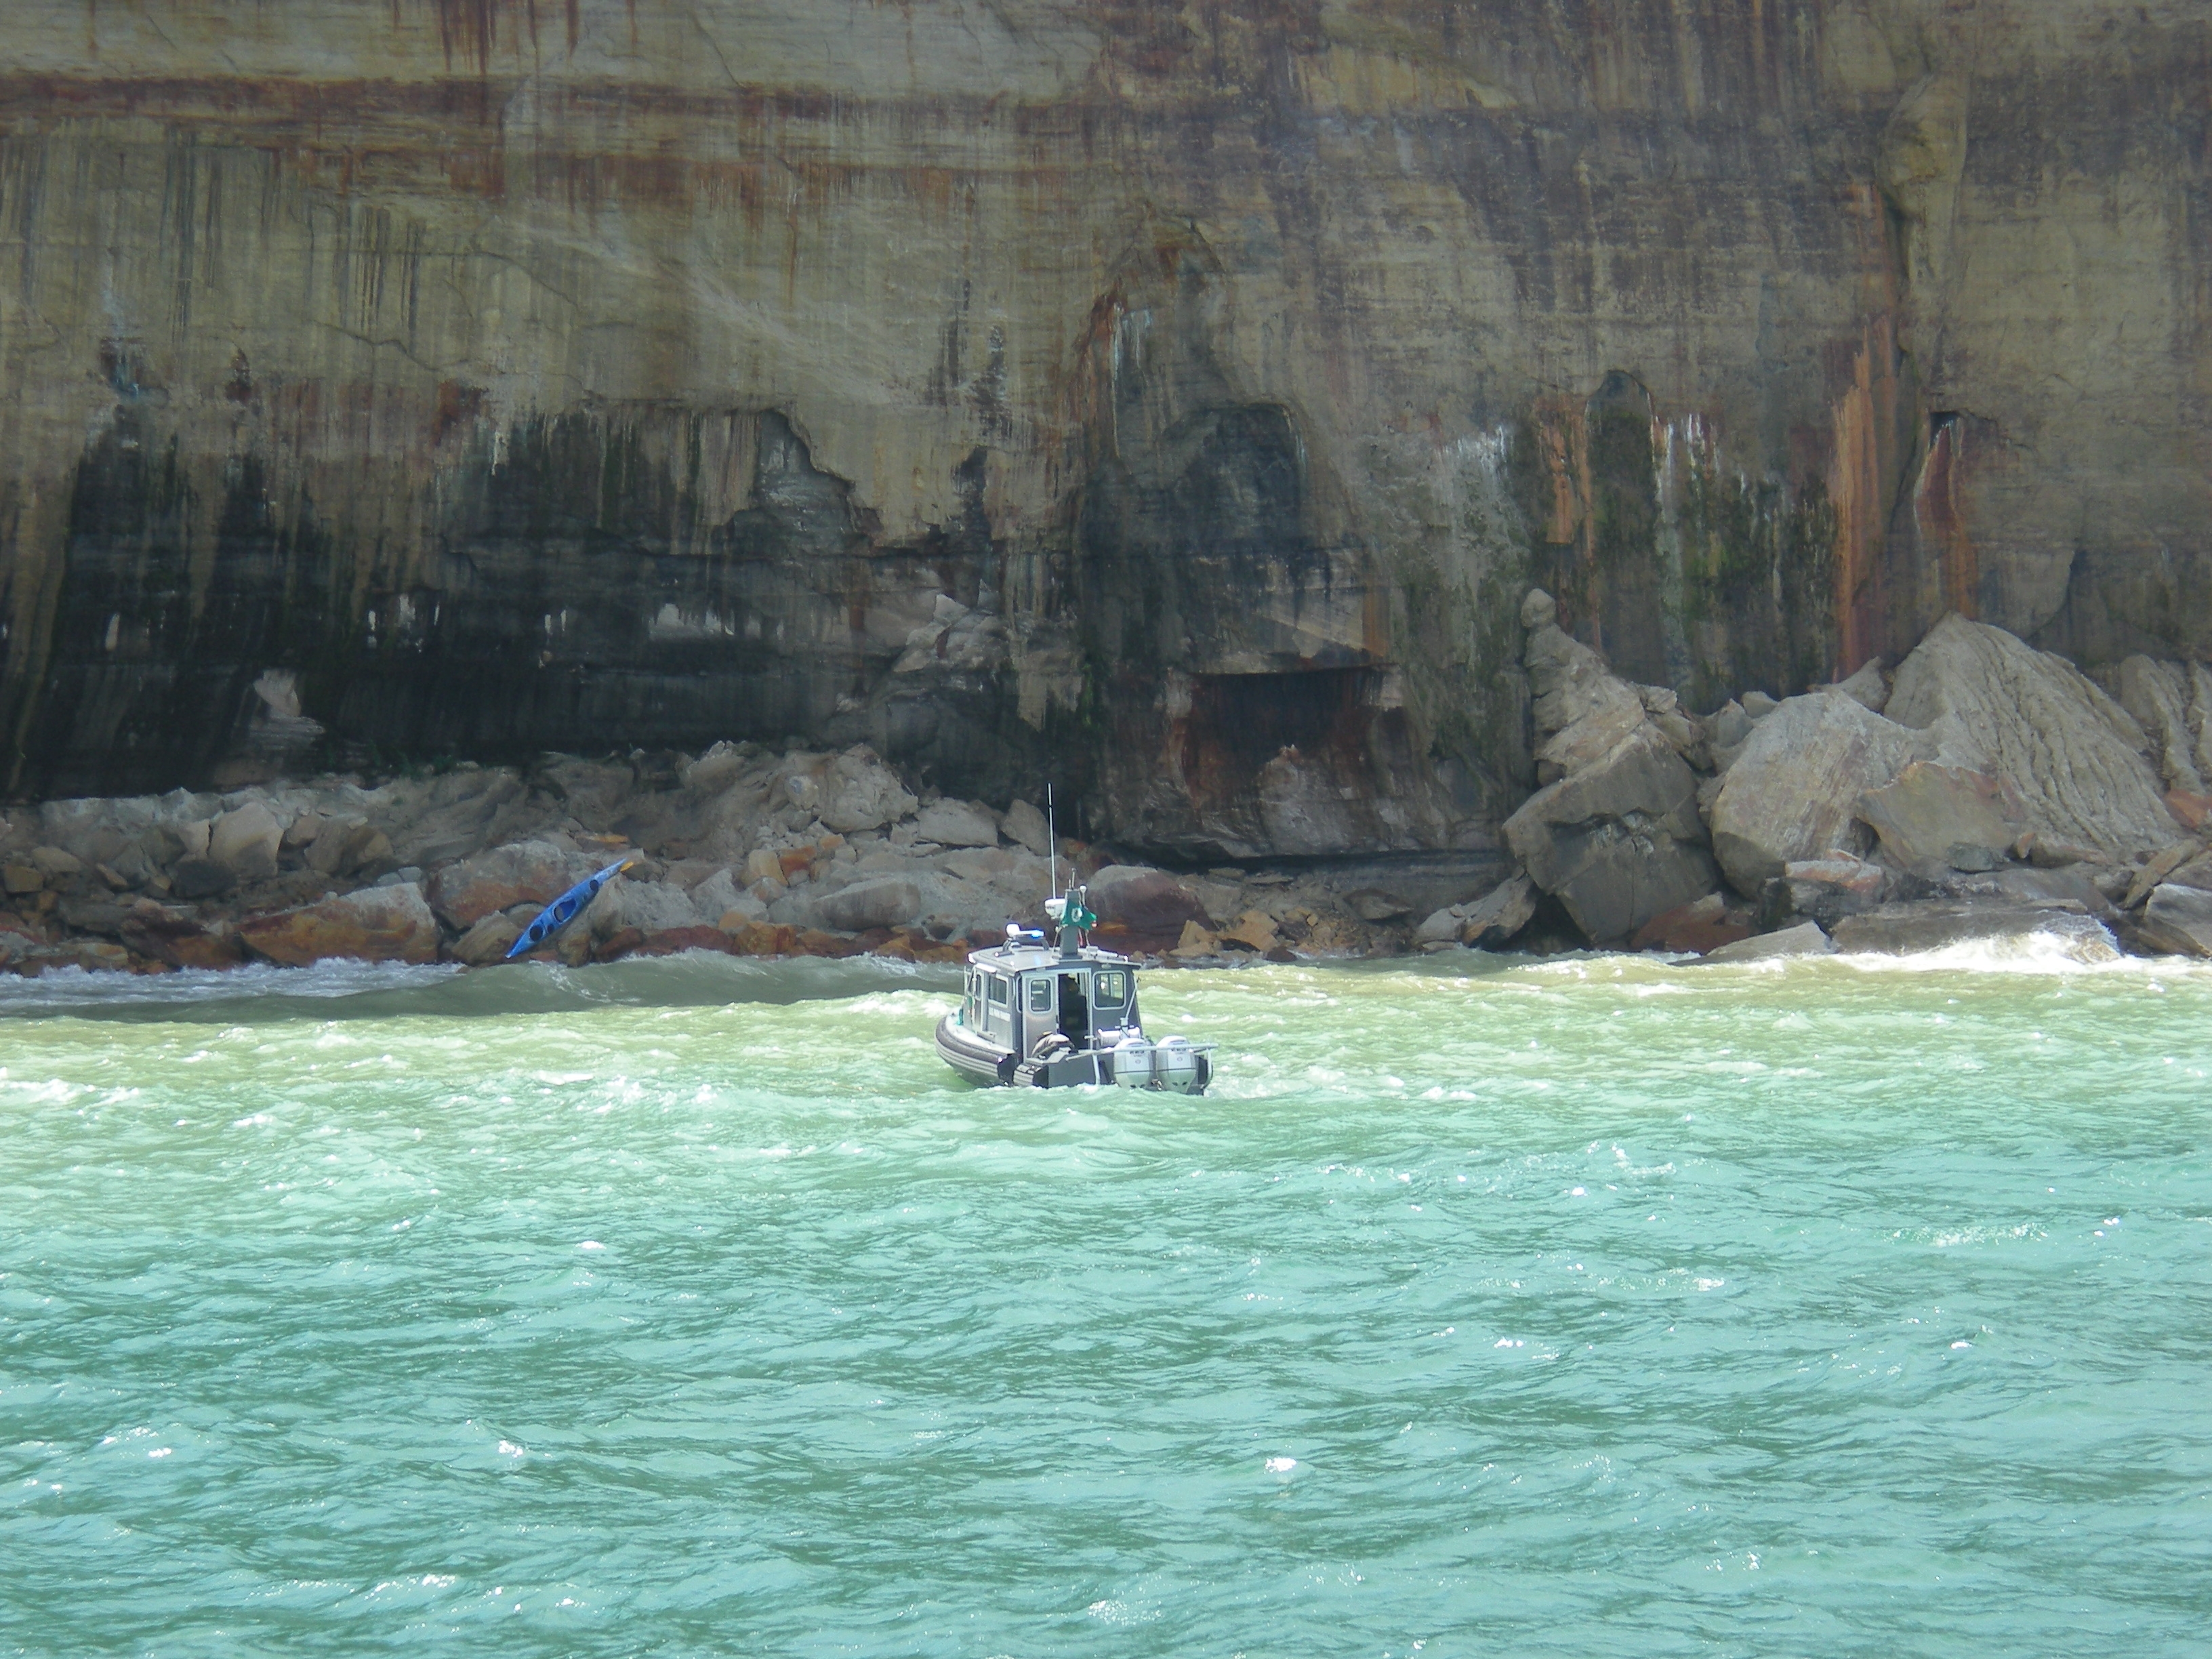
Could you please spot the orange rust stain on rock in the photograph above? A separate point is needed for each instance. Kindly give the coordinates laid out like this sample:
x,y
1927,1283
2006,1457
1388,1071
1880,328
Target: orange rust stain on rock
x,y
1865,412
1936,508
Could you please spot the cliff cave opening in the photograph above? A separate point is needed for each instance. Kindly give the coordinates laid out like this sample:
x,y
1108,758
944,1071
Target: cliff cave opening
x,y
1239,723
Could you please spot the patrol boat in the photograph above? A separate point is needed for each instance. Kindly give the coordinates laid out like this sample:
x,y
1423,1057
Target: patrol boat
x,y
1050,1016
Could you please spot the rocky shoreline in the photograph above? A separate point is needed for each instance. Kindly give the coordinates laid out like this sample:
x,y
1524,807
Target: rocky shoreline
x,y
1982,791
739,851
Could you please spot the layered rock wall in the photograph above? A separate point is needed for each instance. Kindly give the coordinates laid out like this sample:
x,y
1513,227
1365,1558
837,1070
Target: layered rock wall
x,y
1175,400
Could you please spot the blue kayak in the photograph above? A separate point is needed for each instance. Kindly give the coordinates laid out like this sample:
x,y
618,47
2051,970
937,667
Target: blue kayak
x,y
565,909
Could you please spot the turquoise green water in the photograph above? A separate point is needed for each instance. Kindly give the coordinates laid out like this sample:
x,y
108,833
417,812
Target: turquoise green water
x,y
692,1307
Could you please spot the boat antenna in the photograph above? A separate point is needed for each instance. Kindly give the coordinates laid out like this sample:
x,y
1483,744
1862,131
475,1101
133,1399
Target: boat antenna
x,y
1052,841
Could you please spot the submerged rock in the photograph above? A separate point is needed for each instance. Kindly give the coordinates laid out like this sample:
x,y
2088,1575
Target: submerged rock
x,y
1827,889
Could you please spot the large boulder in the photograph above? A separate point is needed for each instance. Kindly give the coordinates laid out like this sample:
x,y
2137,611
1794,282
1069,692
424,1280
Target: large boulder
x,y
487,942
647,906
1927,812
1618,842
2177,920
957,823
1580,708
715,770
377,924
1792,792
57,861
1991,703
2200,719
178,938
880,902
1144,901
348,847
521,873
1493,921
458,817
1869,686
852,793
720,894
1026,827
245,840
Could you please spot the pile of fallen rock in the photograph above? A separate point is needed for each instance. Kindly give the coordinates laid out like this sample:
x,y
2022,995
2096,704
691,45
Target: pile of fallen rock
x,y
1983,791
740,850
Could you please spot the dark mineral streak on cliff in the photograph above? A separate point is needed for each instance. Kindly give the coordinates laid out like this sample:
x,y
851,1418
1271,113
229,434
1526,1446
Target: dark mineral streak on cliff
x,y
1173,400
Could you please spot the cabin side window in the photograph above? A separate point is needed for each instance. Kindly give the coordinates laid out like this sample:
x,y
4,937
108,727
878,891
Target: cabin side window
x,y
1041,995
1111,989
994,1014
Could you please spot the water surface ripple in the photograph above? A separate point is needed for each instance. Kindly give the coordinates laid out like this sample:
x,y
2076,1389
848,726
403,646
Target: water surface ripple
x,y
684,1307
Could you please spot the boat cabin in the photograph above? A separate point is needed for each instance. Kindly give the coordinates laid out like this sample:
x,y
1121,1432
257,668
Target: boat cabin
x,y
1018,998
1059,1019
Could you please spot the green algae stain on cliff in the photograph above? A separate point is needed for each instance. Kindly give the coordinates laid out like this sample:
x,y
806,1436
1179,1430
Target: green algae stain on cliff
x,y
1758,578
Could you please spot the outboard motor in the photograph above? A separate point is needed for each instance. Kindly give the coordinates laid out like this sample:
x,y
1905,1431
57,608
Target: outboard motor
x,y
1174,1064
1133,1062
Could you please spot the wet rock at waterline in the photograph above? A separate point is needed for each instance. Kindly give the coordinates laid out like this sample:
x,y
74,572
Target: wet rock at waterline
x,y
1905,930
1698,927
2179,919
1489,923
1805,939
378,924
1618,842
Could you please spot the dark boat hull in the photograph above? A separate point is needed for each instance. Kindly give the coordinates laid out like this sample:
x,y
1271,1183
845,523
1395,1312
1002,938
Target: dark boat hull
x,y
973,1057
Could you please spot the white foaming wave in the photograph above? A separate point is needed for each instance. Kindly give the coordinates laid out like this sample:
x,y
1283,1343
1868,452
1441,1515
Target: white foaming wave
x,y
72,988
2031,953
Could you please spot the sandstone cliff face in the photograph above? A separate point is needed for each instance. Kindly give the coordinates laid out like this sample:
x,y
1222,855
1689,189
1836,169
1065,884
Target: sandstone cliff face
x,y
1176,400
